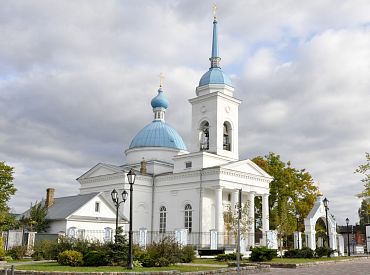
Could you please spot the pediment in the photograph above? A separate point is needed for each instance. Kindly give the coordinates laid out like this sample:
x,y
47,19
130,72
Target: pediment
x,y
246,166
101,169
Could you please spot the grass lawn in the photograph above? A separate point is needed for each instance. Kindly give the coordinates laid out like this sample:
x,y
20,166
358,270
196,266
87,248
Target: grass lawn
x,y
57,267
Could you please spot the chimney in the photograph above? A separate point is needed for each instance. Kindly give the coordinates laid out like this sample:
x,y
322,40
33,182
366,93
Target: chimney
x,y
49,197
143,167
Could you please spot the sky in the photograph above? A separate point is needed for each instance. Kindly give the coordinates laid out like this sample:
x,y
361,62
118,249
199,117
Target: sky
x,y
77,77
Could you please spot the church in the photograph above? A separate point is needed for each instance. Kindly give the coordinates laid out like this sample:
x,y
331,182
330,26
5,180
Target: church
x,y
188,185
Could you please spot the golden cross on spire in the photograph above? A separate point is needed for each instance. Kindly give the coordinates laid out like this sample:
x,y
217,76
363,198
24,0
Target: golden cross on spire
x,y
214,10
161,77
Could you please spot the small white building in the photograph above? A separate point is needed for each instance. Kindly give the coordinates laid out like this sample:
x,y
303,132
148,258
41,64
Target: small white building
x,y
188,187
89,216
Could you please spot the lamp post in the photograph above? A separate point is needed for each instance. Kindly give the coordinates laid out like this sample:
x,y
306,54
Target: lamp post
x,y
297,217
117,203
326,201
131,180
348,247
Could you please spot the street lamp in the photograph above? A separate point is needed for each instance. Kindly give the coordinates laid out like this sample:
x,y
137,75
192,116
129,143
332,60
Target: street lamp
x,y
117,203
349,250
297,217
131,180
326,201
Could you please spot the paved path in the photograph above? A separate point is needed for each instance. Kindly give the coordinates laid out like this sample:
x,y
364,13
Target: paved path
x,y
360,267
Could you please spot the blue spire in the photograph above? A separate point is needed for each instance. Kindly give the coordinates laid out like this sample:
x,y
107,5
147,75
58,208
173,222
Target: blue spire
x,y
215,59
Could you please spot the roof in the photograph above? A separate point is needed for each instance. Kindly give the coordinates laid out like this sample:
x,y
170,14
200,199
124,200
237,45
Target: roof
x,y
159,101
65,206
215,76
158,134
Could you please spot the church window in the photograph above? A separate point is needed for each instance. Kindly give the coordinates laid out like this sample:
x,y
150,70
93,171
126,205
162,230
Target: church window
x,y
97,206
188,217
72,232
229,197
108,234
227,137
204,136
188,164
162,219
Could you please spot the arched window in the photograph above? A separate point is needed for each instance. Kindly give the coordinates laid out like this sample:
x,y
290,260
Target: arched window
x,y
162,219
227,136
108,234
204,136
72,232
188,217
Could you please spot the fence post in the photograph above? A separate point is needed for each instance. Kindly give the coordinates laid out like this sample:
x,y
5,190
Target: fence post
x,y
12,270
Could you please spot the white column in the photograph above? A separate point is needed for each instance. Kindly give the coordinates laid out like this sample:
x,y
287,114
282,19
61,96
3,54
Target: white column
x,y
234,199
251,217
219,215
265,217
297,240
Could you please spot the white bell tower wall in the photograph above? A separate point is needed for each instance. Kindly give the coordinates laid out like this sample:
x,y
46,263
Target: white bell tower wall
x,y
216,111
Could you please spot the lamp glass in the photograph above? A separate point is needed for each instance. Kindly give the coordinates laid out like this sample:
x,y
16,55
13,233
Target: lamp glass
x,y
124,195
131,176
114,195
347,221
325,201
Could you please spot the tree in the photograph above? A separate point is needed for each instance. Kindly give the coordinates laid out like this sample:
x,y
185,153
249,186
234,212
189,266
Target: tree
x,y
292,192
7,189
231,221
364,212
364,169
35,219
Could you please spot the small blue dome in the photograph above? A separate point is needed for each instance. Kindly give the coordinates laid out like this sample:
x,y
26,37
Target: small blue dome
x,y
159,101
158,134
215,76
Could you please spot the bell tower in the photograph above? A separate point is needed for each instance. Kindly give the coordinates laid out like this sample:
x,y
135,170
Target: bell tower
x,y
215,115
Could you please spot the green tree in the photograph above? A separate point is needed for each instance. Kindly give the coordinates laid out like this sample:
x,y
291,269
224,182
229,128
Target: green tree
x,y
364,212
35,219
364,169
7,189
292,192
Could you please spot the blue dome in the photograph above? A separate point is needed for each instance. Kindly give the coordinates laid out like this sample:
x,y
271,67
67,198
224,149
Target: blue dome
x,y
159,101
158,134
215,76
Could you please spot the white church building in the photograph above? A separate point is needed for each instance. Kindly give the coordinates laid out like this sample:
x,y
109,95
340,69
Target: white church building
x,y
188,186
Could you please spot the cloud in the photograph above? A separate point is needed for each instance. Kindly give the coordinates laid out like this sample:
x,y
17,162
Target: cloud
x,y
77,77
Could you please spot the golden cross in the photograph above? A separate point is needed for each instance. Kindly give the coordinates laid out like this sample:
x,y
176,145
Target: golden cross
x,y
161,77
214,10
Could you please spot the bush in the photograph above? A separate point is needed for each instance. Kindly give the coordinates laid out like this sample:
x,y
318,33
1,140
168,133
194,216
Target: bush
x,y
323,251
17,252
2,250
45,250
187,254
163,253
71,258
95,258
299,253
262,253
117,252
227,257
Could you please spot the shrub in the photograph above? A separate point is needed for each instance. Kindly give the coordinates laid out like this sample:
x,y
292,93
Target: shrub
x,y
227,257
299,253
163,253
70,257
2,250
45,250
95,258
187,254
323,251
262,253
17,252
